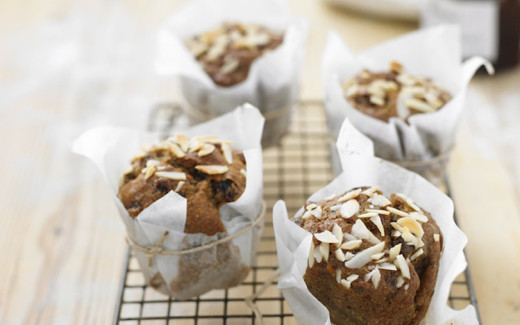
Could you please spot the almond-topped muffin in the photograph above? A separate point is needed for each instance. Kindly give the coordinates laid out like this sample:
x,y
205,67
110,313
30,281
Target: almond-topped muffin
x,y
393,94
207,171
227,52
373,259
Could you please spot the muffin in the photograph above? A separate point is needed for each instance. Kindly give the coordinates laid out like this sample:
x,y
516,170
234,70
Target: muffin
x,y
373,259
227,52
393,93
209,173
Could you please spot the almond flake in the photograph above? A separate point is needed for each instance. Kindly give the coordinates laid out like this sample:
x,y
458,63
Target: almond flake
x,y
326,237
377,100
352,277
353,244
243,172
340,256
368,215
406,287
316,212
433,100
376,220
379,200
317,254
400,282
128,170
361,231
419,216
417,254
419,105
196,145
179,186
403,266
311,206
365,256
376,277
206,149
176,176
345,283
349,236
338,232
228,154
396,67
349,208
436,237
324,250
183,142
396,234
306,215
394,251
212,169
383,212
349,256
152,162
335,208
229,66
412,225
397,212
149,172
176,150
388,267
338,275
408,237
409,202
382,260
377,256
370,191
350,195
311,254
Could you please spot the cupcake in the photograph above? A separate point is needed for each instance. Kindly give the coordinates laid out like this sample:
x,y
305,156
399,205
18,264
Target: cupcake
x,y
373,259
228,52
406,95
192,204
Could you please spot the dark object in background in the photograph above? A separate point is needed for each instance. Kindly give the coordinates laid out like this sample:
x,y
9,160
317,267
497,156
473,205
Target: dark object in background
x,y
489,28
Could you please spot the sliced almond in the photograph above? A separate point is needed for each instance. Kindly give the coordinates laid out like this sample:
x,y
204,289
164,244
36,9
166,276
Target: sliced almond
x,y
409,201
228,154
324,250
377,256
403,266
349,195
394,251
338,275
306,215
383,212
377,100
436,237
419,105
376,220
368,215
400,282
361,231
379,200
412,225
419,216
348,256
352,277
388,266
243,172
317,254
353,244
376,277
365,256
337,232
345,283
229,66
397,212
206,149
176,176
311,254
196,145
349,208
326,237
179,186
396,67
176,150
415,255
183,142
149,172
370,191
317,212
212,169
152,162
340,256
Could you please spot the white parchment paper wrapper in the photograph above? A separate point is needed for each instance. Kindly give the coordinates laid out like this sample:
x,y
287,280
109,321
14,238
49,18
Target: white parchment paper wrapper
x,y
363,169
434,53
112,149
273,80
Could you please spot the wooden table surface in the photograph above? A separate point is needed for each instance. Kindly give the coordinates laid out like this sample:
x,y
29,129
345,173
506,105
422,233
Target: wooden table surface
x,y
60,236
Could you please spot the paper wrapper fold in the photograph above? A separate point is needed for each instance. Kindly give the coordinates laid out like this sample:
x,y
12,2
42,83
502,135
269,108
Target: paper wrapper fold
x,y
433,53
273,81
224,265
361,168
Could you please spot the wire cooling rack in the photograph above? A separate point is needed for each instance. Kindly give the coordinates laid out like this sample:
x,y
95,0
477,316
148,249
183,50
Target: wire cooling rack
x,y
293,170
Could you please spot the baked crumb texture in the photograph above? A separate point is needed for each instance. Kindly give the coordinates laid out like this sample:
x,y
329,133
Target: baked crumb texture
x,y
227,52
393,94
373,259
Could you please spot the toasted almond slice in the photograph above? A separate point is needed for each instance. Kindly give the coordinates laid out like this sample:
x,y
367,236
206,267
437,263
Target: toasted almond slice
x,y
179,186
183,142
379,200
396,233
388,266
383,212
412,225
228,154
377,100
311,206
368,215
317,254
353,277
338,275
370,191
382,260
176,176
229,66
419,216
408,237
419,252
306,215
340,256
317,212
349,236
436,237
394,251
376,277
152,162
365,256
196,145
433,100
176,150
397,212
396,67
376,220
324,250
353,244
400,282
349,208
212,169
377,256
128,170
361,231
326,237
403,266
409,201
338,232
419,105
149,172
349,195
311,254
370,274
349,256
206,149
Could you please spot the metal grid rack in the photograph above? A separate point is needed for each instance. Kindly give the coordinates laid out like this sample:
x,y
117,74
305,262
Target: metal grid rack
x,y
293,171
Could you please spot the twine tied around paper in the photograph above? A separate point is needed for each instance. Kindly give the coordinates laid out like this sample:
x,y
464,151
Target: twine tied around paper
x,y
153,250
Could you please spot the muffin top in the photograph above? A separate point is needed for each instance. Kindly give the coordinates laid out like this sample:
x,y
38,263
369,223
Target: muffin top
x,y
393,94
372,241
205,170
227,52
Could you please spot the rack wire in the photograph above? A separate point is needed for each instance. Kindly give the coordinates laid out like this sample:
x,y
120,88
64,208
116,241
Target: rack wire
x,y
293,170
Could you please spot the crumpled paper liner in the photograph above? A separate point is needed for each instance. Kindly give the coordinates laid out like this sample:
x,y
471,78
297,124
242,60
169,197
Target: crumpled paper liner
x,y
434,53
226,264
361,168
273,80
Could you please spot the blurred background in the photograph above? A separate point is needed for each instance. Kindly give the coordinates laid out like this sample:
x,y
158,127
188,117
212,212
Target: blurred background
x,y
67,66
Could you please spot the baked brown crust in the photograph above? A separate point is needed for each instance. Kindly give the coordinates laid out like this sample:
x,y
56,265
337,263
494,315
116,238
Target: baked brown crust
x,y
226,53
356,295
163,168
395,93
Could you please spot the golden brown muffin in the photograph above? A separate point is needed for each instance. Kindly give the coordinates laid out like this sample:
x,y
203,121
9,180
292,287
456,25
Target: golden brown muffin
x,y
206,171
373,259
227,52
393,94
